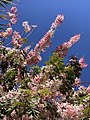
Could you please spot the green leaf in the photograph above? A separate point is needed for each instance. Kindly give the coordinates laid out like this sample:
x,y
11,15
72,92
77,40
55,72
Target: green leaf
x,y
3,3
25,40
4,17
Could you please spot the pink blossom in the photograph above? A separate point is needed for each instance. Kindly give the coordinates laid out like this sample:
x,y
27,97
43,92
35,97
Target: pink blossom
x,y
13,20
88,89
33,57
67,44
9,25
62,50
77,81
36,79
69,111
59,19
9,31
27,28
82,87
26,49
44,42
11,15
16,39
13,113
13,9
72,40
82,62
75,38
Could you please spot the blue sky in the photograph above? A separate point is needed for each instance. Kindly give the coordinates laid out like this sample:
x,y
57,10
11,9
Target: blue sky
x,y
77,20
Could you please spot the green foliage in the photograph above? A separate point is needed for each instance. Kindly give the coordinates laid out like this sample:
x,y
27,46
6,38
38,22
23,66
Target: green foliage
x,y
68,72
22,104
56,61
86,113
3,4
34,70
9,78
25,40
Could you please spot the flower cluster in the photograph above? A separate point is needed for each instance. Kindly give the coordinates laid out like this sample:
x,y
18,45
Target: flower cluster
x,y
62,50
58,21
82,62
12,15
16,39
33,57
45,41
7,33
69,111
27,28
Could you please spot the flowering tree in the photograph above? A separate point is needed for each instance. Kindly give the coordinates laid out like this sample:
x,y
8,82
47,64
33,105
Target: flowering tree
x,y
30,92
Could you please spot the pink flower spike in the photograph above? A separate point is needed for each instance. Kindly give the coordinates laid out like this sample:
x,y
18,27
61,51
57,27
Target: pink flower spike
x,y
59,19
82,62
75,38
44,42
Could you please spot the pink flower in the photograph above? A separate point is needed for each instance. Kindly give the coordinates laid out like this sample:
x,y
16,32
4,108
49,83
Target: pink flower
x,y
82,62
33,57
27,28
82,88
16,39
13,9
88,89
11,15
67,44
26,49
72,40
69,111
36,79
13,20
75,38
9,31
13,113
44,42
77,81
62,50
9,25
59,19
